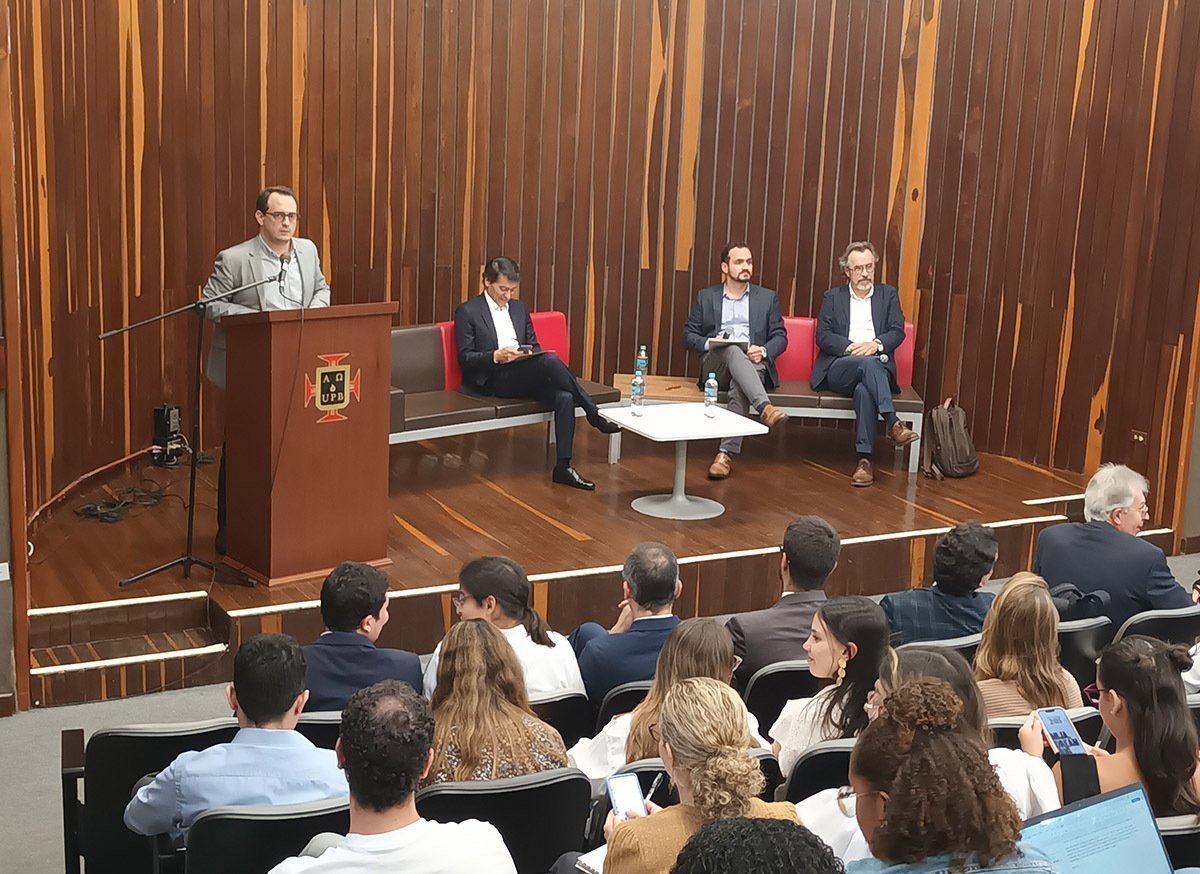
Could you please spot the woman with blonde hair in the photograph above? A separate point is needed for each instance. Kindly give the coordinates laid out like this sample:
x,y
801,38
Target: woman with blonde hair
x,y
703,741
1017,663
483,727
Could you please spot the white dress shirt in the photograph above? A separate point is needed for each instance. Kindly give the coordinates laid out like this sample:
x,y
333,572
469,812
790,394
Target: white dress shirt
x,y
425,847
862,325
550,671
506,334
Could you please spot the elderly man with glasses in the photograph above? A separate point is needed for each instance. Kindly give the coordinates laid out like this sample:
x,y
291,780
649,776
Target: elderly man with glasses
x,y
274,253
858,331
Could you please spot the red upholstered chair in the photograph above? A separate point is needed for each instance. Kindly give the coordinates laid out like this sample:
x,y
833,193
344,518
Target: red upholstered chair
x,y
904,356
450,357
551,329
797,360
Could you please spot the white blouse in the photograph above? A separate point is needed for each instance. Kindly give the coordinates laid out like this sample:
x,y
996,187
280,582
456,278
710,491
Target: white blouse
x,y
800,726
550,671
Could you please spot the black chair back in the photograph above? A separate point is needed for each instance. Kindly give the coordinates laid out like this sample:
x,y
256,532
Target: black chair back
x,y
570,716
621,699
253,840
1181,835
1181,625
965,646
771,773
774,686
114,761
823,766
540,816
1079,645
322,727
1087,722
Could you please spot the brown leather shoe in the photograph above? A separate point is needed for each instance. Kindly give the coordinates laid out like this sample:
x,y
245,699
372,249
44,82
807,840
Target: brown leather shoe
x,y
863,475
720,468
902,435
771,415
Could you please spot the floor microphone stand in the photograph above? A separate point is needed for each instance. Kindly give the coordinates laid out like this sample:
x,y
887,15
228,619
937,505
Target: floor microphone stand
x,y
200,308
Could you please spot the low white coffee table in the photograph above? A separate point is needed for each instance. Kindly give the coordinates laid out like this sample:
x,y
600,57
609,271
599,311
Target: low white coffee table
x,y
679,423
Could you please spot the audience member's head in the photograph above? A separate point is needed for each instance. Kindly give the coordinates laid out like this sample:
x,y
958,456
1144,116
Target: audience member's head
x,y
495,588
501,268
1020,642
848,639
964,558
1117,495
384,744
704,744
740,845
919,662
651,576
694,648
354,598
924,788
268,682
1144,705
810,553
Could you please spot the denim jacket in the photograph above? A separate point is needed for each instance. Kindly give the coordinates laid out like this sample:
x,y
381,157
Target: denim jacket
x,y
1027,859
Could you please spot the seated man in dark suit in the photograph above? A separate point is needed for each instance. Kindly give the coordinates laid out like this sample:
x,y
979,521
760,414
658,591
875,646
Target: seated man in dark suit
x,y
953,606
629,650
746,313
777,634
1104,552
344,659
499,355
858,330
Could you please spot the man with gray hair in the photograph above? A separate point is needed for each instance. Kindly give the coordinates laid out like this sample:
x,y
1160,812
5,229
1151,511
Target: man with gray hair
x,y
1104,552
628,651
858,330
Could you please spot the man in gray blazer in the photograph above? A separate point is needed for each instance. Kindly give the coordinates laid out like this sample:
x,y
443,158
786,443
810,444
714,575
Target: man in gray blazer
x,y
739,311
274,252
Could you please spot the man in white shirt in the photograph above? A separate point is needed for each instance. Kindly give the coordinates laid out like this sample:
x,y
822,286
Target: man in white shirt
x,y
499,354
858,330
385,748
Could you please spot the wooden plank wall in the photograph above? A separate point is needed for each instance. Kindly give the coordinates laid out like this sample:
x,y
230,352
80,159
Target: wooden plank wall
x,y
1028,169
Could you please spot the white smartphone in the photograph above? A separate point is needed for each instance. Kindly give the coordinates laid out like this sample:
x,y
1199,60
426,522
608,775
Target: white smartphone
x,y
1061,732
625,793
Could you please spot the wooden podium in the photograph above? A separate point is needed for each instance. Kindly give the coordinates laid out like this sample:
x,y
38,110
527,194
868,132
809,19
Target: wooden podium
x,y
306,433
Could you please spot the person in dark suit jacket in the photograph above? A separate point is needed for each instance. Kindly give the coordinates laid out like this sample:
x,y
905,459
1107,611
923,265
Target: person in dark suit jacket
x,y
858,330
740,311
777,634
344,659
953,606
1104,553
499,354
628,652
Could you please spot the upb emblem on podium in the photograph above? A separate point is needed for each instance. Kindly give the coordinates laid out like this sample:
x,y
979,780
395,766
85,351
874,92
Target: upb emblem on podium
x,y
334,387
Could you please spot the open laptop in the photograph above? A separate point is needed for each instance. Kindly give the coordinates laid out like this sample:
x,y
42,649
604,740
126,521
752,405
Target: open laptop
x,y
1115,831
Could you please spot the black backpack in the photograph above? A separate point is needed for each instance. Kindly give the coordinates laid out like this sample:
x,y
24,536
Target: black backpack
x,y
948,450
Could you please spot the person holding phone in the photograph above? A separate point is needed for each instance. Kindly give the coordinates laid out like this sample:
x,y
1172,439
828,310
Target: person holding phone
x,y
499,355
1144,706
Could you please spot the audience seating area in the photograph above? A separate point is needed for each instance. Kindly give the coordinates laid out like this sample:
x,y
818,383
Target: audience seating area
x,y
775,685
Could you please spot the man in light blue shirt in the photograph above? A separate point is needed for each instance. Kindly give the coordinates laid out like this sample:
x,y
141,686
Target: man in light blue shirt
x,y
267,762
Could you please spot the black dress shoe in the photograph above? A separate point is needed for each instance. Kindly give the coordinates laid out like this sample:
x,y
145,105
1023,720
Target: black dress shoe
x,y
604,426
569,476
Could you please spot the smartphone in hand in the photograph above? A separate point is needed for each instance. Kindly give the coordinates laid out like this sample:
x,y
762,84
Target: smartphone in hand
x,y
625,793
1060,731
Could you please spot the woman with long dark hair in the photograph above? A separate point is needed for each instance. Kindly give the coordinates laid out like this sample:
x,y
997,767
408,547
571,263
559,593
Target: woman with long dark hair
x,y
1144,706
849,637
495,588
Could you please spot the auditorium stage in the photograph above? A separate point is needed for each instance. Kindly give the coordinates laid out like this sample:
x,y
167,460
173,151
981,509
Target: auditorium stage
x,y
457,498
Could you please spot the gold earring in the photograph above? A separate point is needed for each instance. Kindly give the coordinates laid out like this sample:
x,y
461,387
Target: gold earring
x,y
841,674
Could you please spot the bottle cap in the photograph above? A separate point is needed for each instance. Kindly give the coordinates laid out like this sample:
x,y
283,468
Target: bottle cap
x,y
712,376
637,373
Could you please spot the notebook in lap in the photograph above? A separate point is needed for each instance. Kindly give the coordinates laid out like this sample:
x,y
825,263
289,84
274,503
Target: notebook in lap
x,y
1115,831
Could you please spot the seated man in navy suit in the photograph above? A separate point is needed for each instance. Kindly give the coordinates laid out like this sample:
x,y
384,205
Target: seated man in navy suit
x,y
629,650
858,330
344,659
740,311
498,352
1104,552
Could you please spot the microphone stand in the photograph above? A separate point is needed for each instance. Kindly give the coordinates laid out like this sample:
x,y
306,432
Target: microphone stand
x,y
200,308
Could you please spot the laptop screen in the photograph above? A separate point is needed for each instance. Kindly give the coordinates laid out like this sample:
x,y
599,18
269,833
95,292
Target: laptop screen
x,y
1115,831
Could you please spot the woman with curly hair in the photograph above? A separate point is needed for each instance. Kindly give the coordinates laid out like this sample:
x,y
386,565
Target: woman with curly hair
x,y
755,846
1144,706
703,741
1017,664
926,797
483,727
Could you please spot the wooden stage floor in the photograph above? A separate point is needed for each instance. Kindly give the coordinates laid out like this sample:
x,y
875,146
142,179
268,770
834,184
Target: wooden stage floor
x,y
457,498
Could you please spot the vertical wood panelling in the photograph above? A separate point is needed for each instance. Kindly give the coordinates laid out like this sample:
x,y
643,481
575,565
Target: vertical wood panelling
x,y
1028,170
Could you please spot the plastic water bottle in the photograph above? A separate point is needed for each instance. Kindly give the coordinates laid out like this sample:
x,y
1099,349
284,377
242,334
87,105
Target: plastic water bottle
x,y
643,360
710,395
637,393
